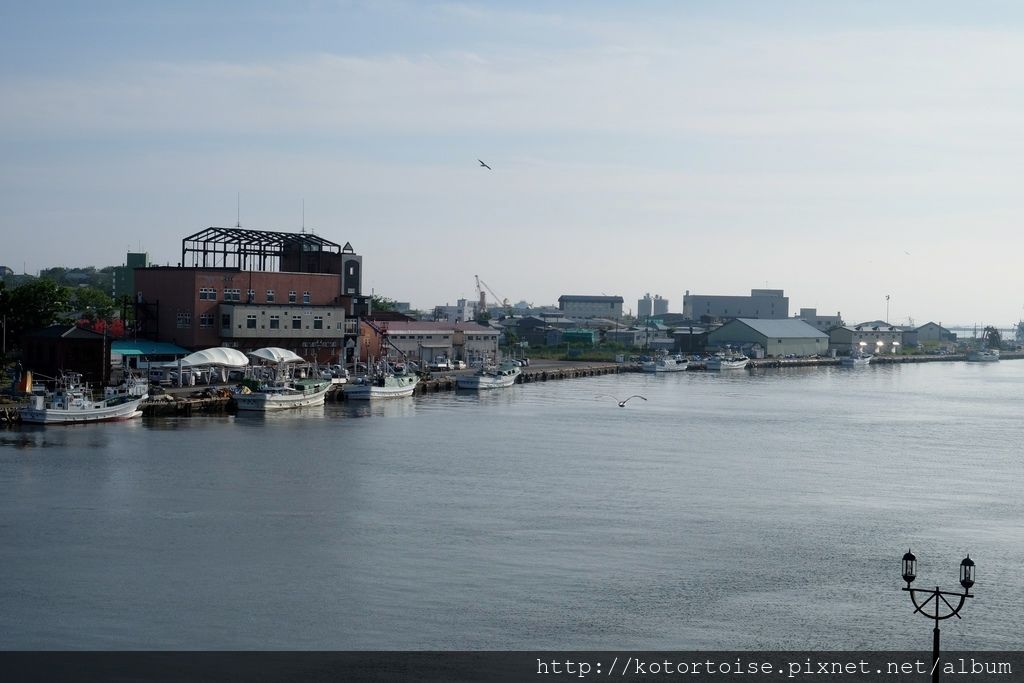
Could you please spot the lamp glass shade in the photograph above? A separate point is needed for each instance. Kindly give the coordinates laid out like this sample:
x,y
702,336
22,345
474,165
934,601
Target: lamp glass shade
x,y
967,572
909,567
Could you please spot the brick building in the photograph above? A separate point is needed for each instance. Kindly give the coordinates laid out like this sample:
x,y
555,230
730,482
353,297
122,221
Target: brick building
x,y
248,289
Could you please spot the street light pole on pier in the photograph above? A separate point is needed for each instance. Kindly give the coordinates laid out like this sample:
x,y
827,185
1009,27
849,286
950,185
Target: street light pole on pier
x,y
937,596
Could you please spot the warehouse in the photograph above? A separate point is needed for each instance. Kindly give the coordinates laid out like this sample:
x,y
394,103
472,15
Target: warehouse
x,y
785,337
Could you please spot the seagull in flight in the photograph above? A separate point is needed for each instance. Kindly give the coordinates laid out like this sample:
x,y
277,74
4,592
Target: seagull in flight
x,y
622,403
485,165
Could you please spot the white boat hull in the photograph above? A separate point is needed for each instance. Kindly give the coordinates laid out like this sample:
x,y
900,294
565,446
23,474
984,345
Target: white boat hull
x,y
725,364
669,365
393,387
484,382
855,362
292,397
90,411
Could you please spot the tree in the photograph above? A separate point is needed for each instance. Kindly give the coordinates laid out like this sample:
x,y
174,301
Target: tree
x,y
381,303
92,303
36,304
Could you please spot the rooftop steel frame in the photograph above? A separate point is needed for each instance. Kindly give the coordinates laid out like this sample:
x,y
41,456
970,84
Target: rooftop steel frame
x,y
253,249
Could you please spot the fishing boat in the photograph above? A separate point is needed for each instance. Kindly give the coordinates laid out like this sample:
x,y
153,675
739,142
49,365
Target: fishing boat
x,y
983,356
856,359
726,363
385,383
490,377
285,384
71,402
665,364
291,393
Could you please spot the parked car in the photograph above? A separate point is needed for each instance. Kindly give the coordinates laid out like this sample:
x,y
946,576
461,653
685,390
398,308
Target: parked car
x,y
440,364
458,365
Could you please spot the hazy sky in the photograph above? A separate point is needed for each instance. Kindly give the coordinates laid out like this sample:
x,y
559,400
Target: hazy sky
x,y
839,151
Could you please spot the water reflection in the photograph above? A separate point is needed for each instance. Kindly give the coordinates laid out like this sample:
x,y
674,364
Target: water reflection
x,y
395,407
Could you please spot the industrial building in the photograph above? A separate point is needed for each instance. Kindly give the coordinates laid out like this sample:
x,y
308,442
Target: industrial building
x,y
248,289
577,306
648,306
425,341
775,337
762,303
821,322
871,337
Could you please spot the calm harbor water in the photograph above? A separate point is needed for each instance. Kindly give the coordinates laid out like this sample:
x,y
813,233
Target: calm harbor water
x,y
755,510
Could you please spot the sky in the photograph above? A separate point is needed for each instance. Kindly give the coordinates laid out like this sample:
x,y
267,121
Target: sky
x,y
842,152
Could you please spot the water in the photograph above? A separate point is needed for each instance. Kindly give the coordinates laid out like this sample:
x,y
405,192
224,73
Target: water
x,y
750,510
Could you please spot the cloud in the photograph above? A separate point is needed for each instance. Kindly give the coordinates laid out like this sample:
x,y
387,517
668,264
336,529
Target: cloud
x,y
951,84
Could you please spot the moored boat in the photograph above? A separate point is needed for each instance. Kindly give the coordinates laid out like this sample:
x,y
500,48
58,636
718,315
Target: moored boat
x,y
665,364
856,359
983,356
71,402
384,384
294,393
726,363
490,377
285,383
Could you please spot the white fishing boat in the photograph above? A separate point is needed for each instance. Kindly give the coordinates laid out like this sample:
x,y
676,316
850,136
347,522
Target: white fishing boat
x,y
490,377
726,363
71,402
983,356
292,393
856,359
665,364
383,384
285,384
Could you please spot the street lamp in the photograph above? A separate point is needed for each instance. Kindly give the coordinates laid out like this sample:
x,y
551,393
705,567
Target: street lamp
x,y
937,596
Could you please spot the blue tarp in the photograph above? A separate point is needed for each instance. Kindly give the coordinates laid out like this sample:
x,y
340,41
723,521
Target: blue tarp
x,y
142,347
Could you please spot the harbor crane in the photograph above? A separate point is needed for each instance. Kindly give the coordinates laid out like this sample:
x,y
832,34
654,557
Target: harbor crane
x,y
480,287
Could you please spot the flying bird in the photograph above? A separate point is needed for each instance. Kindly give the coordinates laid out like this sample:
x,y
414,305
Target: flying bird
x,y
622,403
485,165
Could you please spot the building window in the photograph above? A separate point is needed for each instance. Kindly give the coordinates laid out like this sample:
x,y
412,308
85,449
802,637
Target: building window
x,y
270,296
250,322
251,296
318,322
275,322
206,320
207,294
305,297
184,320
291,296
225,321
232,295
296,323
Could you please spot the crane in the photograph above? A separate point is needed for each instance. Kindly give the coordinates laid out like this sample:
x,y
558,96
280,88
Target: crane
x,y
483,296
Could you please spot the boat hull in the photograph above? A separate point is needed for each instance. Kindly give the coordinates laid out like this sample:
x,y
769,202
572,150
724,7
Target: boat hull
x,y
717,364
499,377
667,366
983,357
83,415
393,387
265,401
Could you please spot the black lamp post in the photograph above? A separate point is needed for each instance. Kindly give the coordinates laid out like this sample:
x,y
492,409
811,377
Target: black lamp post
x,y
938,596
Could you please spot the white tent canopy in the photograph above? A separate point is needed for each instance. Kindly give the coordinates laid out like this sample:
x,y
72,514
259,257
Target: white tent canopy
x,y
274,354
222,356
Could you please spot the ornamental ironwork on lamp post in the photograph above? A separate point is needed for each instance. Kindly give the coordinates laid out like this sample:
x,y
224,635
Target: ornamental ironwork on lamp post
x,y
938,597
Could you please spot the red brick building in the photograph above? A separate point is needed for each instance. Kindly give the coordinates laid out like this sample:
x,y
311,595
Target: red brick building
x,y
248,289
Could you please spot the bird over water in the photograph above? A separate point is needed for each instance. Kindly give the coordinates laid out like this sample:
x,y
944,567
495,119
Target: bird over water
x,y
622,403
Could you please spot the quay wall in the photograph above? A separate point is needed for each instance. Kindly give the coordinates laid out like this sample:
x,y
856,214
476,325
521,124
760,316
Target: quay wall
x,y
188,402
